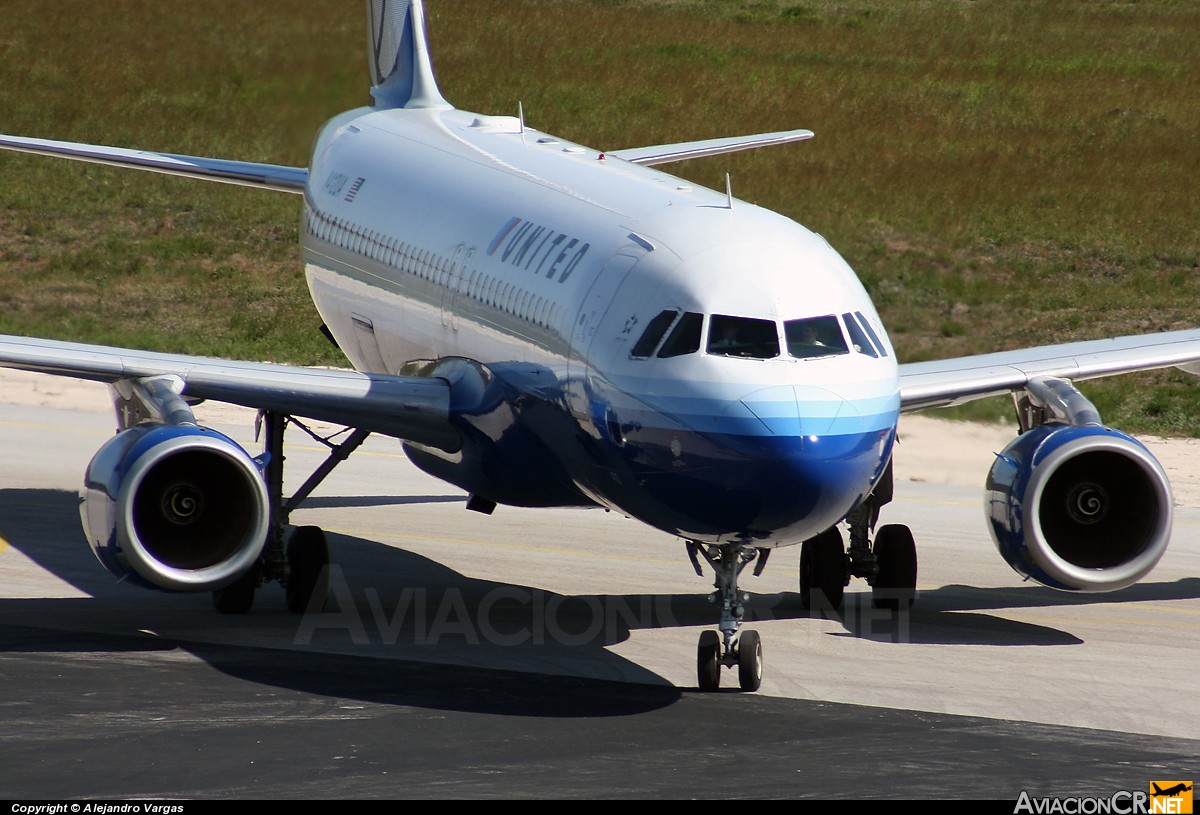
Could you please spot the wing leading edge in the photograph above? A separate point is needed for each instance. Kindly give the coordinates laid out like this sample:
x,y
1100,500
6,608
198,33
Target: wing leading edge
x,y
667,153
407,407
244,173
293,179
947,382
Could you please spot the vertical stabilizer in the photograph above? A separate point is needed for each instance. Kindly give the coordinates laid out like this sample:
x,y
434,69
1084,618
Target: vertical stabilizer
x,y
401,71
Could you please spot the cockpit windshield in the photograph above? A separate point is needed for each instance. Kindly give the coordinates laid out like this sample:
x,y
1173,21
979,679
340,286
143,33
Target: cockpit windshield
x,y
670,334
743,337
814,337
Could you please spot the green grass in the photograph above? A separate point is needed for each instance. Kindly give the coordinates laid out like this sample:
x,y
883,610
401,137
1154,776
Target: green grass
x,y
1000,173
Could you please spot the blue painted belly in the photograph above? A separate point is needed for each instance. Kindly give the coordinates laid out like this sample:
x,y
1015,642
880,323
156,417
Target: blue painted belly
x,y
772,489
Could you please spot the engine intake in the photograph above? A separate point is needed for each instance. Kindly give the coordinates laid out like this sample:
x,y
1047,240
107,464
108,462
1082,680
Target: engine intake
x,y
181,508
1079,508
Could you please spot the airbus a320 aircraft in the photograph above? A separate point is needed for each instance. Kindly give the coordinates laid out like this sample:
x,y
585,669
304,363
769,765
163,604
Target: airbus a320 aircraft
x,y
544,324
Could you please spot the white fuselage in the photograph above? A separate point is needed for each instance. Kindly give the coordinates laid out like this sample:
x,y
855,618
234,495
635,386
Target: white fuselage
x,y
593,290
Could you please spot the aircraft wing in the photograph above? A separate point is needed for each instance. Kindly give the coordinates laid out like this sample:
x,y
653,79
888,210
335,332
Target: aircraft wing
x,y
948,382
666,153
245,173
407,407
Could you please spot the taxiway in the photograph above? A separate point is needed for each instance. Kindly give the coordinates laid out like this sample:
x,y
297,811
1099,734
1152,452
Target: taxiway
x,y
551,653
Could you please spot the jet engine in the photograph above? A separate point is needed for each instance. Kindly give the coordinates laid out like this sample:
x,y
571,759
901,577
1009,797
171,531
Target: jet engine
x,y
175,507
1081,508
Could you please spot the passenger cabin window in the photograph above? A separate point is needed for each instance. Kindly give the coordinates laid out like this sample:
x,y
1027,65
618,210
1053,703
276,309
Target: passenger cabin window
x,y
653,334
858,337
685,338
743,337
815,337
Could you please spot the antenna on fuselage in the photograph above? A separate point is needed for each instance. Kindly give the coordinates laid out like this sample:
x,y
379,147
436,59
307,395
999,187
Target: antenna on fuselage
x,y
521,118
728,192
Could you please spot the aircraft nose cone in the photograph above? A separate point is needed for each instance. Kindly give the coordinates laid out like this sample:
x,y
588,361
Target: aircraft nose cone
x,y
803,410
778,464
784,463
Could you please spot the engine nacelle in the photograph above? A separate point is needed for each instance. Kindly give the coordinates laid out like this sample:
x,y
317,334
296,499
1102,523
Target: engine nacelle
x,y
1079,508
175,507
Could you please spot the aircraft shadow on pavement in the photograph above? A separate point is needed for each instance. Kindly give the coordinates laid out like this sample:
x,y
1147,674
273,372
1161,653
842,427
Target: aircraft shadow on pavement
x,y
390,604
931,626
954,614
498,658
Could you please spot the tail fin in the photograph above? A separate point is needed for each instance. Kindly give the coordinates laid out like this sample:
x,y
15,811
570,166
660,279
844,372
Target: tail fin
x,y
401,71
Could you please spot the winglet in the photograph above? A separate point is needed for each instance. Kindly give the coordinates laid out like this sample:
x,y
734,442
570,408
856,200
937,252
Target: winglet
x,y
401,70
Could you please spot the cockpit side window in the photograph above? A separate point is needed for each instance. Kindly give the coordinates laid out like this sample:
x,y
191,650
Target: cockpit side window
x,y
866,324
815,337
743,337
653,334
685,338
858,337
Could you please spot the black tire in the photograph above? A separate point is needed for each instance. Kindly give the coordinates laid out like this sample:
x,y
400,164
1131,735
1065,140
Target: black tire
x,y
750,661
708,661
238,596
895,584
308,574
823,571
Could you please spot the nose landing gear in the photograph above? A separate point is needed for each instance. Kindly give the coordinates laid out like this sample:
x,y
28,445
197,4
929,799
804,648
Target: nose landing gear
x,y
730,647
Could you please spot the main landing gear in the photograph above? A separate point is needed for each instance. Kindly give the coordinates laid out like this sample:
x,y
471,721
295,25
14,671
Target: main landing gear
x,y
729,648
889,565
888,562
296,557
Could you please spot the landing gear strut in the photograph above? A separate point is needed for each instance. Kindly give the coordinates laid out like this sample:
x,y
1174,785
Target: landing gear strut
x,y
295,557
887,560
730,647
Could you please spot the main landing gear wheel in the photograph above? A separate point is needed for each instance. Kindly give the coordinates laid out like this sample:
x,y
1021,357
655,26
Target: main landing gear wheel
x,y
308,575
708,661
823,571
296,557
750,660
895,583
238,596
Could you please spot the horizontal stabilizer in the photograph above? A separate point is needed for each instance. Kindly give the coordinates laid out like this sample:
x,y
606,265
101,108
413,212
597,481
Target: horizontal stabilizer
x,y
245,173
666,153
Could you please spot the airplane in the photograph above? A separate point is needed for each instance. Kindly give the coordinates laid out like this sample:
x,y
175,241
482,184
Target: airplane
x,y
544,324
1170,792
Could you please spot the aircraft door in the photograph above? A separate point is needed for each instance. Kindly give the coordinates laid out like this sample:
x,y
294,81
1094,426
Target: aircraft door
x,y
597,302
451,280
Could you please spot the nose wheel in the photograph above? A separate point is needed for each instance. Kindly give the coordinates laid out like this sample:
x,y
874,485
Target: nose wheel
x,y
708,660
747,655
729,647
749,660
